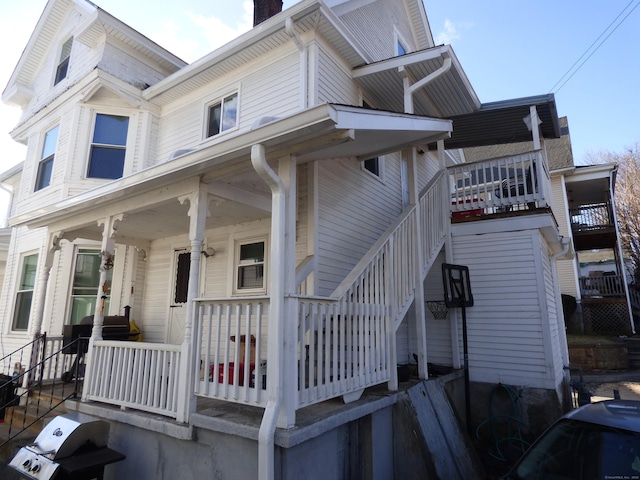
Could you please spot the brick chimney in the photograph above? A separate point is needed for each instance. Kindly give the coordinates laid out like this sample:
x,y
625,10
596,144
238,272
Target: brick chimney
x,y
265,9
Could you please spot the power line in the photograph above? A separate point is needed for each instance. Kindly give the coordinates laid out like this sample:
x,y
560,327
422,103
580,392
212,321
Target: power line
x,y
571,69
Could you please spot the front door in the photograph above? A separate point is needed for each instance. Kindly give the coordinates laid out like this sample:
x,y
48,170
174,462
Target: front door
x,y
178,306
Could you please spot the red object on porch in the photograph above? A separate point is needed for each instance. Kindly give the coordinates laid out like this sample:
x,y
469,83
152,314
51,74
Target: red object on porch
x,y
230,373
466,213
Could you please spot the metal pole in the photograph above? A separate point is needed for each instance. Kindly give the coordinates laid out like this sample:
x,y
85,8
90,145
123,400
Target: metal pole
x,y
465,351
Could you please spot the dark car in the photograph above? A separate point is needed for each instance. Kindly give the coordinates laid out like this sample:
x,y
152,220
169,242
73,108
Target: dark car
x,y
599,441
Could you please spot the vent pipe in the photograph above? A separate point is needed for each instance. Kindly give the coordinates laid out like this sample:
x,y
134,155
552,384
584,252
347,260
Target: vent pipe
x,y
265,9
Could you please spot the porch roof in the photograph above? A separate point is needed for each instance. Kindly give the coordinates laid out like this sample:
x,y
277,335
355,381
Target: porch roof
x,y
325,131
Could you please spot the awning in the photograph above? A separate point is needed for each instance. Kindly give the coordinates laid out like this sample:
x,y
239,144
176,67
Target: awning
x,y
448,95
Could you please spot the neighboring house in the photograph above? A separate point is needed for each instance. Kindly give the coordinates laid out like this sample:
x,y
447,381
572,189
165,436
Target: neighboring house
x,y
276,215
584,207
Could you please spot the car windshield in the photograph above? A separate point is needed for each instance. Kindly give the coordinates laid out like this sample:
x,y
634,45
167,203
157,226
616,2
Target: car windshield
x,y
575,450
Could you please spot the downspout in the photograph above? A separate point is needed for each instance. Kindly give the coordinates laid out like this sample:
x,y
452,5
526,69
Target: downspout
x,y
410,89
566,246
266,435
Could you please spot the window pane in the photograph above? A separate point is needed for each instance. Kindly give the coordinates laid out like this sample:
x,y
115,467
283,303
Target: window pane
x,y
28,278
87,273
251,276
373,165
106,162
45,168
23,308
182,277
230,112
50,142
214,120
63,64
86,282
252,253
111,130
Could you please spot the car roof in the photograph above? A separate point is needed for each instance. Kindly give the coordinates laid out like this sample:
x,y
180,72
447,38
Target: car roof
x,y
623,414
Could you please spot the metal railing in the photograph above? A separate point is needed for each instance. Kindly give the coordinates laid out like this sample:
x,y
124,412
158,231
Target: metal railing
x,y
32,392
592,217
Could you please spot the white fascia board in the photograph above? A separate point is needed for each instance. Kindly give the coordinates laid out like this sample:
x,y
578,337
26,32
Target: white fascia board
x,y
402,61
360,119
592,172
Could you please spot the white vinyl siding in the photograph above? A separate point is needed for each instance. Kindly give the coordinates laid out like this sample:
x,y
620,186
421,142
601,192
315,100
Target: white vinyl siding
x,y
567,269
334,82
267,90
505,324
354,209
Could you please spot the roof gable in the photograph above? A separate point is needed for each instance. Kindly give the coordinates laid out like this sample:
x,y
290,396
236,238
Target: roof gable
x,y
88,24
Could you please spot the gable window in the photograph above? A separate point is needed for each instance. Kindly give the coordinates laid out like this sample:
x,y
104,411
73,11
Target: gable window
x,y
63,62
108,147
86,283
222,115
250,266
400,48
45,167
24,296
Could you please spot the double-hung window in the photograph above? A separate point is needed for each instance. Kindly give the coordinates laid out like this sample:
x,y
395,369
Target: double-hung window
x,y
24,295
108,148
86,284
222,115
45,167
250,266
63,62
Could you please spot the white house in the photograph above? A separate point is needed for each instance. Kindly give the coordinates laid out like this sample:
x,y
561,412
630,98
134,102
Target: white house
x,y
275,215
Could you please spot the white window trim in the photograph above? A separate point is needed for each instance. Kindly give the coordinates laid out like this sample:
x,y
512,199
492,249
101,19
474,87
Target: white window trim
x,y
234,261
14,303
42,141
219,99
381,168
58,60
399,39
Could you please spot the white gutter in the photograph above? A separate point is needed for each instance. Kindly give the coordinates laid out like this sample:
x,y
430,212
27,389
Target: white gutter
x,y
275,363
410,89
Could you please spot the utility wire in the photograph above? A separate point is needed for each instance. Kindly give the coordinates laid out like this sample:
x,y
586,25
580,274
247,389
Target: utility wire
x,y
571,69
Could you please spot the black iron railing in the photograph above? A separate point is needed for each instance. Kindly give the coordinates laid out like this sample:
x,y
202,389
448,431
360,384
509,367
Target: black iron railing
x,y
35,385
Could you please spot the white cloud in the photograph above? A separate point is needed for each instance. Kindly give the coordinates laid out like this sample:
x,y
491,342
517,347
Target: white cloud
x,y
218,32
449,34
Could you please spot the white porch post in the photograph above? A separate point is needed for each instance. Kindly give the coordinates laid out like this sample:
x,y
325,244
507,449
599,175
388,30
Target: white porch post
x,y
198,213
421,330
110,226
53,245
287,173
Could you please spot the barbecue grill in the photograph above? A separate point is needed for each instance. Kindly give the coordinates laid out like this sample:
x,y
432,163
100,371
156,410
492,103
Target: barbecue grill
x,y
69,447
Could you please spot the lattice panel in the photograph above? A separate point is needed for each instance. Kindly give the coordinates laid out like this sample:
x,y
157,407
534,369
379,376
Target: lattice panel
x,y
610,318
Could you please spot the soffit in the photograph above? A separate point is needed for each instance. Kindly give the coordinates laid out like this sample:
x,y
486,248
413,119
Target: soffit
x,y
448,95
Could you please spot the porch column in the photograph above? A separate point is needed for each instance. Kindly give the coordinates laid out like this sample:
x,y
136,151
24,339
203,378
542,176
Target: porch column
x,y
198,213
109,225
53,245
421,330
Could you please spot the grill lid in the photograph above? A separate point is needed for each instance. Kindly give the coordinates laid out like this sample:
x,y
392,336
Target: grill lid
x,y
67,433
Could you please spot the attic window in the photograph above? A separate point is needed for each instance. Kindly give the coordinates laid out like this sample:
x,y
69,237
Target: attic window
x,y
63,63
222,115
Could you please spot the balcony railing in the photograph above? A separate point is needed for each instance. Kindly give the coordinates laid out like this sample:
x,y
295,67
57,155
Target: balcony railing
x,y
500,185
602,286
591,218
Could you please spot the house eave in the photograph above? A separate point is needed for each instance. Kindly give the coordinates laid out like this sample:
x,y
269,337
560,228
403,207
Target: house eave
x,y
449,95
325,131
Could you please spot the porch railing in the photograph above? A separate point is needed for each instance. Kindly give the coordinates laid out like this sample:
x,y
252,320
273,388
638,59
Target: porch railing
x,y
602,286
136,375
232,350
500,185
591,218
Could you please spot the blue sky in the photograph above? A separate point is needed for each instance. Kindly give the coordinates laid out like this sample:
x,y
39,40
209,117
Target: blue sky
x,y
508,48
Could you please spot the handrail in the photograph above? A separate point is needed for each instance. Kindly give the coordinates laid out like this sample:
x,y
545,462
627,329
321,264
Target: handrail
x,y
15,392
